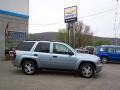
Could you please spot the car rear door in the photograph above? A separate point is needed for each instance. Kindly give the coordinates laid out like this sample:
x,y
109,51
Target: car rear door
x,y
42,54
118,54
112,54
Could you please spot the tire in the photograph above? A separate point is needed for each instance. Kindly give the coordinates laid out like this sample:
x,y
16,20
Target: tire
x,y
86,70
29,67
104,60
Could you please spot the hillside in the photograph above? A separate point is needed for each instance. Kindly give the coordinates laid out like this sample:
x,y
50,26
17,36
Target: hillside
x,y
49,36
111,40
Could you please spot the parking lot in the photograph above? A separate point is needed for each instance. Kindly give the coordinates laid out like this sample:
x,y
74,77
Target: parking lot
x,y
12,78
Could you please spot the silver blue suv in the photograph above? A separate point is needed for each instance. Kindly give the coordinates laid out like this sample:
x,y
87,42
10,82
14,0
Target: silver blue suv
x,y
34,55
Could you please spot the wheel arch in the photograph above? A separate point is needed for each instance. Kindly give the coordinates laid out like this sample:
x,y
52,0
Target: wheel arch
x,y
28,59
104,56
83,62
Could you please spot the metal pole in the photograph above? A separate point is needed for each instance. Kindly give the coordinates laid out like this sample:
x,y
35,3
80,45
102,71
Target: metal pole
x,y
69,27
115,26
68,34
71,34
74,35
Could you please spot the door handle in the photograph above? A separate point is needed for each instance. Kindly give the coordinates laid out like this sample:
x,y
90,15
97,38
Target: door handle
x,y
35,54
54,56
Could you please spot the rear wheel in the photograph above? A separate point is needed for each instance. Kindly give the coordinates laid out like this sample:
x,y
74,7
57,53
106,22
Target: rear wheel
x,y
29,67
104,60
86,70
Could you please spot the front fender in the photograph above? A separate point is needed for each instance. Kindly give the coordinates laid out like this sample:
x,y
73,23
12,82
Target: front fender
x,y
81,61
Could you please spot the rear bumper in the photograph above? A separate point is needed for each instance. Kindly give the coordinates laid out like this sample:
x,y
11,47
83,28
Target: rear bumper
x,y
99,68
15,63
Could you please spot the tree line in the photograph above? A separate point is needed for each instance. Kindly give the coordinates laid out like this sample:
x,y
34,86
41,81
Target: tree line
x,y
83,36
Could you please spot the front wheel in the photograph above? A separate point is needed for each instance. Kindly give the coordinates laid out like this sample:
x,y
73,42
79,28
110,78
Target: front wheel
x,y
86,70
29,67
104,60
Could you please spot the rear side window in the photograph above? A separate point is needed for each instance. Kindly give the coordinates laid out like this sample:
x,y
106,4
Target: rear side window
x,y
43,47
117,50
111,50
25,46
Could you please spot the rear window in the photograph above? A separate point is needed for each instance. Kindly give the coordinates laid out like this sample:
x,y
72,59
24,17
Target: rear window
x,y
25,46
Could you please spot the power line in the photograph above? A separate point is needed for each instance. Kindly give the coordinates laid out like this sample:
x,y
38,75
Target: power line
x,y
98,13
47,24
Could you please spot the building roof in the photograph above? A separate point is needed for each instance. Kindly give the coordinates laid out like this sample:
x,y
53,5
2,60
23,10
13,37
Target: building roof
x,y
3,12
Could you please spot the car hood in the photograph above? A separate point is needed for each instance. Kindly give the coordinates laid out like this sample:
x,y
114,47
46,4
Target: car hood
x,y
87,57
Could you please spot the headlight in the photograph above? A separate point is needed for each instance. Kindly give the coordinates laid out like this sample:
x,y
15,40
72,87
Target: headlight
x,y
98,61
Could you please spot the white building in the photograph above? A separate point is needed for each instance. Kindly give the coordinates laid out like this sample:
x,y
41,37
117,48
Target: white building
x,y
13,23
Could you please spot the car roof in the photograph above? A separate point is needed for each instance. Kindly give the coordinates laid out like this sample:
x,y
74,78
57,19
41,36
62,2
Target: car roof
x,y
43,41
109,46
36,41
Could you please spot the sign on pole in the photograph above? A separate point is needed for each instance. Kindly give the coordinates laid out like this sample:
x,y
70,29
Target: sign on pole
x,y
70,14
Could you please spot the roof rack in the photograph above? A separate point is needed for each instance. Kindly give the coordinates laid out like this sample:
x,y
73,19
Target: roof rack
x,y
43,40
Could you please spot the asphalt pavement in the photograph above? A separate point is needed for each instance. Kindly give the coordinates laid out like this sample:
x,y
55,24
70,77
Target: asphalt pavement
x,y
12,78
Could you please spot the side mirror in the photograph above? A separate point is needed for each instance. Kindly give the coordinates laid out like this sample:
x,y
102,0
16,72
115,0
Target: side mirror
x,y
70,53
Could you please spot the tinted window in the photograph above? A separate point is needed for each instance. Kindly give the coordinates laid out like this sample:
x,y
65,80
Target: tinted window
x,y
43,47
60,49
103,49
111,50
25,46
117,50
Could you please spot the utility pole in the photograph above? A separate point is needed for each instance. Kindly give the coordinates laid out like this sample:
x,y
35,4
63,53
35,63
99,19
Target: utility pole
x,y
115,24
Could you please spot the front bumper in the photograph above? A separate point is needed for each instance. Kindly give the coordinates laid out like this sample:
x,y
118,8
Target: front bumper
x,y
98,68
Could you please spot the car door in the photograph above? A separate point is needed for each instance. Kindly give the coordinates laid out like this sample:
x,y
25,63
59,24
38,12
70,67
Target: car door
x,y
42,54
118,54
112,53
62,57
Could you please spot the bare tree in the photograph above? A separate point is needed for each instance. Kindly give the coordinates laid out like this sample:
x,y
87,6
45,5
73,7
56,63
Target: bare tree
x,y
83,35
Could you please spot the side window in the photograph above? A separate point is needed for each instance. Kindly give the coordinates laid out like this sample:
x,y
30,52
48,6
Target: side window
x,y
25,46
111,50
43,47
103,49
117,50
60,49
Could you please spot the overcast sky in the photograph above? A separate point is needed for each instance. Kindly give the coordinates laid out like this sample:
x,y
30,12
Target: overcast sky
x,y
17,6
48,15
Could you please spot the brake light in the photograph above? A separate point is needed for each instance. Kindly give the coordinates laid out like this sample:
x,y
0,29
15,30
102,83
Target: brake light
x,y
12,54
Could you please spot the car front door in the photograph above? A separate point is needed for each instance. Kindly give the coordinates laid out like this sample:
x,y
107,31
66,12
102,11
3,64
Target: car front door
x,y
62,57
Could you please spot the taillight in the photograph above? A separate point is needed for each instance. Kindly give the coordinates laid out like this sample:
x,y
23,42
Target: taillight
x,y
12,54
